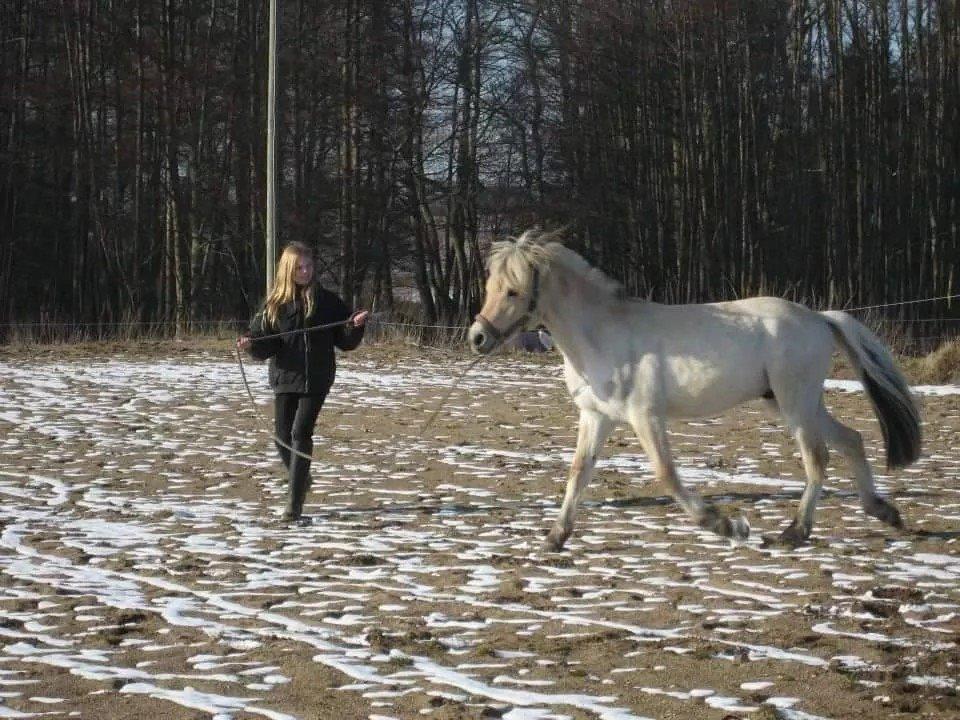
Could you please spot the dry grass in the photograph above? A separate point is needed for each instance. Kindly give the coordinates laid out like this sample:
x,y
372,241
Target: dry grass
x,y
940,366
61,333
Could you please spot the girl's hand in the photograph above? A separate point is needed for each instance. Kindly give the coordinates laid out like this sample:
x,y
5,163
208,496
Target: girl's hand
x,y
359,318
244,342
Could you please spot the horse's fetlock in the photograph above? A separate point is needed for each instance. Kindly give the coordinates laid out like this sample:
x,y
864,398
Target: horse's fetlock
x,y
739,528
713,520
708,516
723,527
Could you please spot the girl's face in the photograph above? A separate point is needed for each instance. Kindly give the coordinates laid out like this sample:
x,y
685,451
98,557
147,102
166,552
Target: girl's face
x,y
304,272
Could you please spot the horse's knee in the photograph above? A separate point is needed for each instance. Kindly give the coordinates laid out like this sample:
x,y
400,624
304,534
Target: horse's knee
x,y
845,439
811,443
854,443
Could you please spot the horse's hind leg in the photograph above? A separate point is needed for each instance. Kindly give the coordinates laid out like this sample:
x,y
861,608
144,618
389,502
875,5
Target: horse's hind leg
x,y
849,443
813,451
592,431
653,436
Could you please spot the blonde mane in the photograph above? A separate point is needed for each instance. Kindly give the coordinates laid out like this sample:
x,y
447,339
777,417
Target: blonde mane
x,y
515,258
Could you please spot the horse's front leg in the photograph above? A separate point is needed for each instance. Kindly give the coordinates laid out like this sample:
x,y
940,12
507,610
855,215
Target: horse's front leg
x,y
652,433
593,430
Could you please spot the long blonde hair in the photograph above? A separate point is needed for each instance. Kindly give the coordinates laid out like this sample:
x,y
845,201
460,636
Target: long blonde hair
x,y
285,288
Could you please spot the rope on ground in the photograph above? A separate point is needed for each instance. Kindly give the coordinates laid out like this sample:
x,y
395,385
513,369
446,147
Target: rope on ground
x,y
448,393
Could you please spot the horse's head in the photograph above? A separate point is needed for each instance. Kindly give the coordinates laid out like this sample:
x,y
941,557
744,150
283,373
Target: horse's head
x,y
512,292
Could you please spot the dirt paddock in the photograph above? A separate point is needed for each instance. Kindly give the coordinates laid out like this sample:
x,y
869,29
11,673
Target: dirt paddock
x,y
145,573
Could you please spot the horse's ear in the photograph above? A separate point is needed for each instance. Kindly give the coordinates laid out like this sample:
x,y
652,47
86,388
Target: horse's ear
x,y
557,235
536,235
530,235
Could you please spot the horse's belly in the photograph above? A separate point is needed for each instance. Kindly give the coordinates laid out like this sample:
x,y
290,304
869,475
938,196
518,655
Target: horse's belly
x,y
696,394
678,387
685,408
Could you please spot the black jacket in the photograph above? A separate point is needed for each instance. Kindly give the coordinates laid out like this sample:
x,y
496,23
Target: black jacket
x,y
304,362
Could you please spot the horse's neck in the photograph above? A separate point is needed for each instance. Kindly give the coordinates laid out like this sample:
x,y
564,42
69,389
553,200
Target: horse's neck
x,y
575,315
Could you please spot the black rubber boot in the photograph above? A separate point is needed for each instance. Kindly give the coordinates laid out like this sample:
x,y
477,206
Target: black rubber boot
x,y
300,482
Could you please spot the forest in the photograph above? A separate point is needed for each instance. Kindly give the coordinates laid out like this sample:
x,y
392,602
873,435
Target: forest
x,y
696,150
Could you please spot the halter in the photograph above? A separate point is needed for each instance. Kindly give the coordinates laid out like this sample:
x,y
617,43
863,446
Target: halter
x,y
498,335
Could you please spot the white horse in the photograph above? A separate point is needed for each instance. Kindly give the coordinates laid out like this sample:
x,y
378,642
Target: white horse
x,y
638,363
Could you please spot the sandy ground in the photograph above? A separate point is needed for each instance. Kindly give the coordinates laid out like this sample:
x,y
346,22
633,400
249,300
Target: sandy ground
x,y
145,573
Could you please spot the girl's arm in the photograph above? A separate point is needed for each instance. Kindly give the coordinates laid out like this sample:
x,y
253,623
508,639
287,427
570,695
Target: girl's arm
x,y
349,336
259,349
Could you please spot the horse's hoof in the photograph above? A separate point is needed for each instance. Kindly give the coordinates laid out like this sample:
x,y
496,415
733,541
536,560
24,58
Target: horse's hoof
x,y
884,511
795,535
739,528
554,541
711,519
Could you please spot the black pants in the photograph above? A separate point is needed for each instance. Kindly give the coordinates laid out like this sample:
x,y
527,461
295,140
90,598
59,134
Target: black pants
x,y
294,419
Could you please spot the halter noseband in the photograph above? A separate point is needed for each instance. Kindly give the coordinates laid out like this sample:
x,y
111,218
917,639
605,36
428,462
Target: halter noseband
x,y
500,335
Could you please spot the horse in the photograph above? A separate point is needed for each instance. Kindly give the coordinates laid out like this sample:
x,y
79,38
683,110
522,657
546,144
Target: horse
x,y
641,363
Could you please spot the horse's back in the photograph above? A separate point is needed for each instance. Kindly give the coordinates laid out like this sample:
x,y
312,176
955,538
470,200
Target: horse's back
x,y
733,323
791,334
763,306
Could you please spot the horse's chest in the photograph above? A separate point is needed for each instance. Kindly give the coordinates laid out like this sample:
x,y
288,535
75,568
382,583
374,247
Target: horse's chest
x,y
608,392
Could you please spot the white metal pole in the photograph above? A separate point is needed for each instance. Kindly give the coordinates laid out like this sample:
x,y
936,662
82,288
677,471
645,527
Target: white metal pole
x,y
271,254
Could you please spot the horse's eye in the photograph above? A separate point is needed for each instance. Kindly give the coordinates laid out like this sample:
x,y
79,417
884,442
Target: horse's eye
x,y
511,293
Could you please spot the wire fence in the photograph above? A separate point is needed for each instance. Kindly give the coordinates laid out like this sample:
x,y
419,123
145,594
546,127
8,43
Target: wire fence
x,y
902,302
904,332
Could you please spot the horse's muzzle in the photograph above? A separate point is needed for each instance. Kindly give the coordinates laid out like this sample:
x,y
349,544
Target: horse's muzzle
x,y
480,339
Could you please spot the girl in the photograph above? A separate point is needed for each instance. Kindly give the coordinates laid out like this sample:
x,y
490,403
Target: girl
x,y
302,365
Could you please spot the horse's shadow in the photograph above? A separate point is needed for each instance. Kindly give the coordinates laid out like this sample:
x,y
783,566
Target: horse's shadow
x,y
741,499
935,534
745,499
725,497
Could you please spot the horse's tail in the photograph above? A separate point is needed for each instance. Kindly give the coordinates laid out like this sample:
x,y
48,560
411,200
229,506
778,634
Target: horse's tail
x,y
885,385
